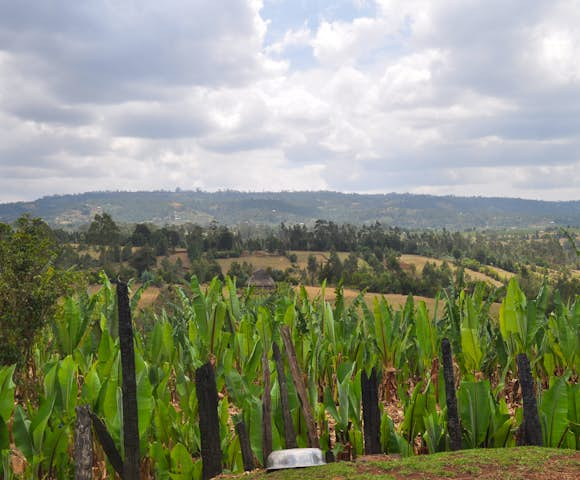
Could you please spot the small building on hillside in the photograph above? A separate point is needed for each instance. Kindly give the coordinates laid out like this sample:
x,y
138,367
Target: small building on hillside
x,y
262,279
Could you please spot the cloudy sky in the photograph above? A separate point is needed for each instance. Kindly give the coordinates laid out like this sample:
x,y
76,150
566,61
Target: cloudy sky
x,y
459,97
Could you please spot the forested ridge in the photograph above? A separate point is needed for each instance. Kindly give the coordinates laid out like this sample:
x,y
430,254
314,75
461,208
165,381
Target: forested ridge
x,y
271,208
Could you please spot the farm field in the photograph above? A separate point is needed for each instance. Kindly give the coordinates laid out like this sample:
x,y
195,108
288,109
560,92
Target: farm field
x,y
419,262
335,344
151,294
179,253
293,366
258,261
278,262
395,300
504,274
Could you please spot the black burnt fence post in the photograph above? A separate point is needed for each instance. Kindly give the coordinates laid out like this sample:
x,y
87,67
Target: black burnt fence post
x,y
245,445
531,431
129,386
209,425
453,426
371,412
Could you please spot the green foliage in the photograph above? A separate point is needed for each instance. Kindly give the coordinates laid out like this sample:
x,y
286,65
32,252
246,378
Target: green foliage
x,y
475,412
143,259
78,363
30,285
103,231
554,413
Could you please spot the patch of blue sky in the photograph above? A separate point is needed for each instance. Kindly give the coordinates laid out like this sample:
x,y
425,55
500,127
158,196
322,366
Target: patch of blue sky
x,y
300,57
284,15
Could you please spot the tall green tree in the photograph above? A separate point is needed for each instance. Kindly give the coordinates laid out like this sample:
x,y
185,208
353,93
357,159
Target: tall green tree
x,y
143,259
30,285
103,230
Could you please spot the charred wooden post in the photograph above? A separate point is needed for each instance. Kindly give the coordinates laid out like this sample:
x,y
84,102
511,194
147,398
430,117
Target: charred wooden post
x,y
371,412
130,415
107,443
289,432
453,426
247,454
209,425
313,440
266,409
531,433
83,445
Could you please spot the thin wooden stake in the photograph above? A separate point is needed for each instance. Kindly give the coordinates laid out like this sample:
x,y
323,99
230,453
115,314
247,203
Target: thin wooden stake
x,y
289,433
453,426
247,454
313,441
266,409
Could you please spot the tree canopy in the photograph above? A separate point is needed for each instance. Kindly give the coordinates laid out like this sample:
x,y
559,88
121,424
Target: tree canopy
x,y
30,285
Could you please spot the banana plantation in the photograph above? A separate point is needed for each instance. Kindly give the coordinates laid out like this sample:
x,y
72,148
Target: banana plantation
x,y
285,363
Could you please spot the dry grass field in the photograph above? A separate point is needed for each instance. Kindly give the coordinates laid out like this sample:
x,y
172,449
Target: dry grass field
x,y
504,274
395,300
151,294
180,253
419,262
258,261
147,299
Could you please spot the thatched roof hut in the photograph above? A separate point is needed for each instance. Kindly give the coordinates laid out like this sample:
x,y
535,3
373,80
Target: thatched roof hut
x,y
262,279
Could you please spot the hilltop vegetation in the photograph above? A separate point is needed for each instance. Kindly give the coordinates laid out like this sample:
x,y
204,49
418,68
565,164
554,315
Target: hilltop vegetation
x,y
272,208
370,257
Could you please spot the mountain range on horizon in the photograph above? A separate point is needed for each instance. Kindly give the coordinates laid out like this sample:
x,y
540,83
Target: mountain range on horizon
x,y
272,208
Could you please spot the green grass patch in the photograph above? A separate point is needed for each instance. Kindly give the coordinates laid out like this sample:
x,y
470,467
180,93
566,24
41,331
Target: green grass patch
x,y
513,463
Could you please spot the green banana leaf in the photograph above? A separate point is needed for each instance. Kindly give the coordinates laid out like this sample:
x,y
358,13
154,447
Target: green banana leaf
x,y
474,404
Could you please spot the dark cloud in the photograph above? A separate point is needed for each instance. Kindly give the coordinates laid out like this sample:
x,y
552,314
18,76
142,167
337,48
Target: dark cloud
x,y
155,124
97,51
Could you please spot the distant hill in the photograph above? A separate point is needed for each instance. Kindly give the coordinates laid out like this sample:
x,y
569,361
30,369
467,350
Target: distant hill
x,y
272,208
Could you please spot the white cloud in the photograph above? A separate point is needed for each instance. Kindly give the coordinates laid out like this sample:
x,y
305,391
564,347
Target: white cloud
x,y
292,38
451,96
337,43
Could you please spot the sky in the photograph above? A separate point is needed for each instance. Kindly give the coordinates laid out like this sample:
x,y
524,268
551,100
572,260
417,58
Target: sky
x,y
445,97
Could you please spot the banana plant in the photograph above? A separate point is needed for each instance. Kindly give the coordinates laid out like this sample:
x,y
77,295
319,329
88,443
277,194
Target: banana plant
x,y
33,436
421,406
206,321
555,416
346,394
435,431
7,388
520,320
425,334
71,325
563,336
475,405
474,336
390,336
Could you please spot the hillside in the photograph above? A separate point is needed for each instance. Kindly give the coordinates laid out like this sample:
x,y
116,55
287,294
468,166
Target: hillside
x,y
272,208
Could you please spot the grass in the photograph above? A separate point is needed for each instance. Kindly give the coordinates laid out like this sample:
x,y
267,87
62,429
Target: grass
x,y
394,299
419,262
258,261
505,463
